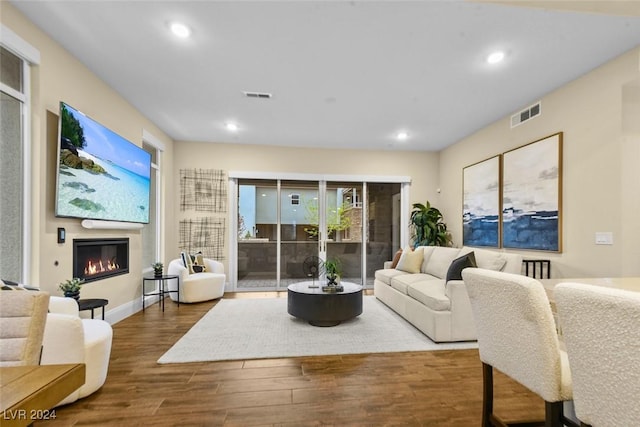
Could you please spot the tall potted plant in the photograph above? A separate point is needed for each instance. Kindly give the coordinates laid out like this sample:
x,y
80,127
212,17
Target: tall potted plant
x,y
427,226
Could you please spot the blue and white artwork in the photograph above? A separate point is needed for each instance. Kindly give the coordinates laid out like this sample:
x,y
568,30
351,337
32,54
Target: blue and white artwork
x,y
531,210
481,204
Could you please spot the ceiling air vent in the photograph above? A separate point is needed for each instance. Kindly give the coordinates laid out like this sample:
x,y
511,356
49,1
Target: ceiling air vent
x,y
526,114
260,95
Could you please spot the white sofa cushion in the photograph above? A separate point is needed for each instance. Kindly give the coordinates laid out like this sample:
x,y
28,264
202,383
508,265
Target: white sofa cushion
x,y
427,251
401,283
430,293
387,274
410,261
440,261
486,259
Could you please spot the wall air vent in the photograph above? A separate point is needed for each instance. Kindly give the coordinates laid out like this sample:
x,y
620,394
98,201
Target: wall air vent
x,y
260,95
526,114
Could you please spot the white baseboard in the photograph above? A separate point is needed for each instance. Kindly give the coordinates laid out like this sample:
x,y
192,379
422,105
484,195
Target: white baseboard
x,y
123,311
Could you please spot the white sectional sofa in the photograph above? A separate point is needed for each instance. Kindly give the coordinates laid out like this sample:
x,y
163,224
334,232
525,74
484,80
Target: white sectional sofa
x,y
420,293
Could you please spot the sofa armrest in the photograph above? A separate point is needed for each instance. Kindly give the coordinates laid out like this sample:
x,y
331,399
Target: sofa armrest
x,y
63,340
455,289
64,305
462,320
176,268
387,265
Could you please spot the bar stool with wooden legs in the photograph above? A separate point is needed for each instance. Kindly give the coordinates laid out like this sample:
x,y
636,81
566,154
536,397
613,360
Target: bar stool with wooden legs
x,y
517,336
601,329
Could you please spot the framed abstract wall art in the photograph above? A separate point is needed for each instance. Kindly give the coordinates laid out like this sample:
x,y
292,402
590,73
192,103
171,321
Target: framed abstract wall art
x,y
481,203
532,196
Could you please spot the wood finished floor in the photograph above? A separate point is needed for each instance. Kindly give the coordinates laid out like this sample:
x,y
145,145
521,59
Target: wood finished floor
x,y
439,388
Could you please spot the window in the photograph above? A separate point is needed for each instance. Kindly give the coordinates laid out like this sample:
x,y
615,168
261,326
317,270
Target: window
x,y
16,58
12,146
151,236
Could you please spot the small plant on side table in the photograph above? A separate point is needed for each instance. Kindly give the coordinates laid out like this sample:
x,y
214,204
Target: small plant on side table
x,y
71,288
157,268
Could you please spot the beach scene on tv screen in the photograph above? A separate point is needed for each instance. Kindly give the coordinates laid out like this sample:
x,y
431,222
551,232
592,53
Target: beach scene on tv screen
x,y
100,174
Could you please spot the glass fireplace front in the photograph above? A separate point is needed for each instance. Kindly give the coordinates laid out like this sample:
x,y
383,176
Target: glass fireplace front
x,y
96,259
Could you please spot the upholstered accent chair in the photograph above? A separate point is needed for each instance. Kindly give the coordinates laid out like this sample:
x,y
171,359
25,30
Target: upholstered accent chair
x,y
601,329
197,286
517,335
22,320
70,339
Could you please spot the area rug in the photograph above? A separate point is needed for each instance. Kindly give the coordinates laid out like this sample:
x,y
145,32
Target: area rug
x,y
239,329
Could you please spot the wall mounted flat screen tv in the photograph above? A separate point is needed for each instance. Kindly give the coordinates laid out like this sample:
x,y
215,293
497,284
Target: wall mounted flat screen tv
x,y
100,175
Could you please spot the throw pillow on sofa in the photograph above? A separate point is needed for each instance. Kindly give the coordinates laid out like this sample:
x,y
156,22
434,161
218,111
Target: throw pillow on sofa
x,y
440,260
459,264
396,258
489,260
410,261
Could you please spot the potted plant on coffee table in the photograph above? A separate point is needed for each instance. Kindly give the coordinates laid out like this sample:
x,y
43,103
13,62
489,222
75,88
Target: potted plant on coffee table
x,y
332,270
71,288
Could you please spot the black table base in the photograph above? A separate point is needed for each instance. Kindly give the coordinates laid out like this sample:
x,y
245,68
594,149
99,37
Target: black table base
x,y
163,290
324,308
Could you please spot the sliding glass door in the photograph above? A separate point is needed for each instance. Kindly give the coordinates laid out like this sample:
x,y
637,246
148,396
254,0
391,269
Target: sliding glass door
x,y
299,209
344,223
284,225
363,227
257,231
383,225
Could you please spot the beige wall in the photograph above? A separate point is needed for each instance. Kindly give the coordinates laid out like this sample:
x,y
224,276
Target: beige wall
x,y
60,77
599,115
422,167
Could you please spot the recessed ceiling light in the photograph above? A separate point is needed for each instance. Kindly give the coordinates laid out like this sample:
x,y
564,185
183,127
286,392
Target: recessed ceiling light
x,y
402,136
231,127
180,30
495,57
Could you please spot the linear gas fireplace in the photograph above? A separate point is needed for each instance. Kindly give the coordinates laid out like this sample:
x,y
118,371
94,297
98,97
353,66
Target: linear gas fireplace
x,y
96,259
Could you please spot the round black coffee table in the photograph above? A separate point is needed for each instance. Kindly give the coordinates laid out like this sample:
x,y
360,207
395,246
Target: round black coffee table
x,y
321,308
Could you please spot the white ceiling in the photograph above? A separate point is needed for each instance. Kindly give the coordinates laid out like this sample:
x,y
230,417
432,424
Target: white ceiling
x,y
343,74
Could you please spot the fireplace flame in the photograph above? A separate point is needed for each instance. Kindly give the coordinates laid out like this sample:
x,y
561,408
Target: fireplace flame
x,y
97,267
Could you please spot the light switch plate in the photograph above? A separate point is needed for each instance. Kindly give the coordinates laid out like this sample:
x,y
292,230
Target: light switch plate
x,y
604,238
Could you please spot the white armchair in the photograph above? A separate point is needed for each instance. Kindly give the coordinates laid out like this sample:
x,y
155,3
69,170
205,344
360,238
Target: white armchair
x,y
195,287
70,339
